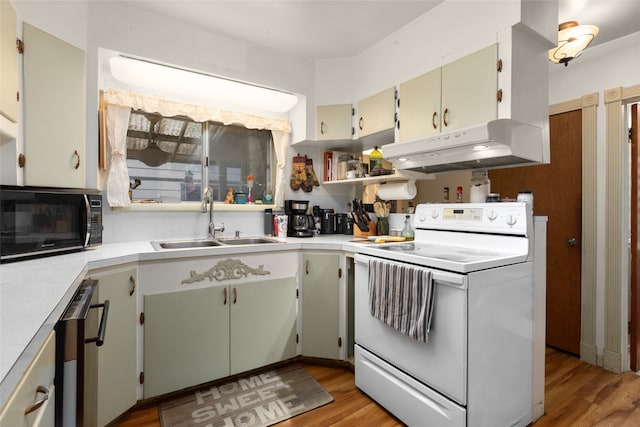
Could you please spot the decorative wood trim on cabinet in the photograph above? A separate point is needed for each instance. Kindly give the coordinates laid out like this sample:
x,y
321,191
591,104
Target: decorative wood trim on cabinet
x,y
229,269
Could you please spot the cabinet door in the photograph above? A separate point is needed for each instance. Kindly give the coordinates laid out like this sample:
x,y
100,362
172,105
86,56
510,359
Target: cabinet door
x,y
377,113
263,323
469,88
54,111
334,122
28,391
320,305
117,380
186,339
8,62
420,106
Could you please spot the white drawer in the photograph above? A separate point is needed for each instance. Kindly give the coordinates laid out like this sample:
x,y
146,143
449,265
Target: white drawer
x,y
410,401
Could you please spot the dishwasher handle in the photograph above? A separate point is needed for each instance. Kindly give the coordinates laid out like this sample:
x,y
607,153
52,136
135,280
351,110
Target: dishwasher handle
x,y
102,330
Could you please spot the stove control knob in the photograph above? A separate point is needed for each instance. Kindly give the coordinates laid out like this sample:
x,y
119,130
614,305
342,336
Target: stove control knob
x,y
492,215
512,219
434,214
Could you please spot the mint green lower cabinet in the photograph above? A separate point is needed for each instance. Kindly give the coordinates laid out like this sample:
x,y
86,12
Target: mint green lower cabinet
x,y
116,380
320,305
207,318
186,339
263,323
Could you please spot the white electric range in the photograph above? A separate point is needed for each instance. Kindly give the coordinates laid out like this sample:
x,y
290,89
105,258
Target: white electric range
x,y
476,367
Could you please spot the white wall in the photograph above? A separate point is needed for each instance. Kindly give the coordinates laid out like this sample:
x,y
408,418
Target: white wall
x,y
599,68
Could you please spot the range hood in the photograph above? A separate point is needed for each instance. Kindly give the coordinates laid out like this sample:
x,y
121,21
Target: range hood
x,y
496,144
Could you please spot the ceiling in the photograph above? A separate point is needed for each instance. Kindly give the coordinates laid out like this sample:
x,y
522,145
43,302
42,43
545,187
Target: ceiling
x,y
322,29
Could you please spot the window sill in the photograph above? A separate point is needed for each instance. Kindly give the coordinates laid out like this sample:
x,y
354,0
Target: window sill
x,y
195,207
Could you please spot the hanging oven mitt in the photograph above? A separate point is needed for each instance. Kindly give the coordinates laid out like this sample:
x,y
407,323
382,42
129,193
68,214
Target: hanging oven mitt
x,y
298,175
311,179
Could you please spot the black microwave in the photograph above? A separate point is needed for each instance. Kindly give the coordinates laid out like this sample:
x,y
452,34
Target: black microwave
x,y
39,221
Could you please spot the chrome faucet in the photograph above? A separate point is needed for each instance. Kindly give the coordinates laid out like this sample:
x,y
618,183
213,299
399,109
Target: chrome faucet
x,y
208,194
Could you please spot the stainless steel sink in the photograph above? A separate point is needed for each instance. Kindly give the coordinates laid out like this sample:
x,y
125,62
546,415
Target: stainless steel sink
x,y
192,244
247,241
185,244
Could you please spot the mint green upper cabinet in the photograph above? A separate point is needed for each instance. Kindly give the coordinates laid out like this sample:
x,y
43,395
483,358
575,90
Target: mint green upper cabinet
x,y
420,106
455,96
54,111
377,113
469,87
8,63
334,122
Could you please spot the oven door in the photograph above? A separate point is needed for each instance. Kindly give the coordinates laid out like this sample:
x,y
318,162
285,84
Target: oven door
x,y
440,363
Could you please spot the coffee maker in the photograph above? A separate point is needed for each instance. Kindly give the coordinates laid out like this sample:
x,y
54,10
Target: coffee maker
x,y
299,224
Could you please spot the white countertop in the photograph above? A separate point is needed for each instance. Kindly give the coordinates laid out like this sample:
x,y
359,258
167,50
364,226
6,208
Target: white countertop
x,y
34,293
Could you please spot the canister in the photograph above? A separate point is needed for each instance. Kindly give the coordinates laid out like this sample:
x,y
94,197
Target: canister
x,y
348,226
341,220
328,222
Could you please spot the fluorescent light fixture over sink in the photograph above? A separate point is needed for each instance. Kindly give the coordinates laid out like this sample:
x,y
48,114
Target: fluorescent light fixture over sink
x,y
149,75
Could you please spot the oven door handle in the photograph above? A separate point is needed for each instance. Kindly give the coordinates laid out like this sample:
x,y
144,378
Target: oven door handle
x,y
102,330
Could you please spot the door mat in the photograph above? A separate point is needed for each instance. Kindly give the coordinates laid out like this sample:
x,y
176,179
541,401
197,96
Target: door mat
x,y
257,400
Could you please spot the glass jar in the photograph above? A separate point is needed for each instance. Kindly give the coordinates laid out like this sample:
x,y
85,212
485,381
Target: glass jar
x,y
343,166
383,226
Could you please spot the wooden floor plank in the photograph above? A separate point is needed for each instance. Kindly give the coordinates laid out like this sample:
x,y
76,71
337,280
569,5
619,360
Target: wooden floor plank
x,y
577,394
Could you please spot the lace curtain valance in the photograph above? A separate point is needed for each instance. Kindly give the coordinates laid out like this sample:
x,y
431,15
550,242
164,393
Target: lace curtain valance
x,y
114,99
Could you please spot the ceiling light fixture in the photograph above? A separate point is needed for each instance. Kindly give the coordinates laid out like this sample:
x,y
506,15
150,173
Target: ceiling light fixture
x,y
152,76
572,40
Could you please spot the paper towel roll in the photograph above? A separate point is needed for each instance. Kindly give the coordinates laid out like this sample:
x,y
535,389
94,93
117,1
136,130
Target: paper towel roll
x,y
397,190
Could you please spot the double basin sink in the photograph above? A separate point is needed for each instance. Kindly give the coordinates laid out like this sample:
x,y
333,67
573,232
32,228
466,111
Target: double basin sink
x,y
201,243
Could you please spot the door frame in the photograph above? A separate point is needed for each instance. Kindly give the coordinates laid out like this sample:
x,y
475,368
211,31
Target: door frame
x,y
588,104
616,224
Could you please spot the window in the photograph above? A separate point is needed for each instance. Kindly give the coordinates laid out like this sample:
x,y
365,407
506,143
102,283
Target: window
x,y
167,158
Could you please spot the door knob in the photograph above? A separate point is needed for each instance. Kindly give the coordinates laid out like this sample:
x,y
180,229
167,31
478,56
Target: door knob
x,y
571,242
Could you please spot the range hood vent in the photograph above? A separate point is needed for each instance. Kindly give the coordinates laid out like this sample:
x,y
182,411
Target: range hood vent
x,y
496,144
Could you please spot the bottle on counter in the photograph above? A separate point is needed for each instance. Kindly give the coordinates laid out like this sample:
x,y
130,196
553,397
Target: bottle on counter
x,y
407,232
459,194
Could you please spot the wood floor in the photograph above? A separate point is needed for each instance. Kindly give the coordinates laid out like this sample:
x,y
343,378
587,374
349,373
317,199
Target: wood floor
x,y
576,394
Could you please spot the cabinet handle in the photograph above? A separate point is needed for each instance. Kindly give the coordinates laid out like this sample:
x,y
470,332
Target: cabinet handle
x,y
75,153
499,95
306,266
321,128
225,296
444,117
132,285
40,389
361,123
433,120
235,295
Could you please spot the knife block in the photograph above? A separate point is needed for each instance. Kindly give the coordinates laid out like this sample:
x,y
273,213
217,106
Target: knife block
x,y
359,233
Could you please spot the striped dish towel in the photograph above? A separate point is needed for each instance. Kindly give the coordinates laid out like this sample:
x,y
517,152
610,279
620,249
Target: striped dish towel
x,y
402,297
